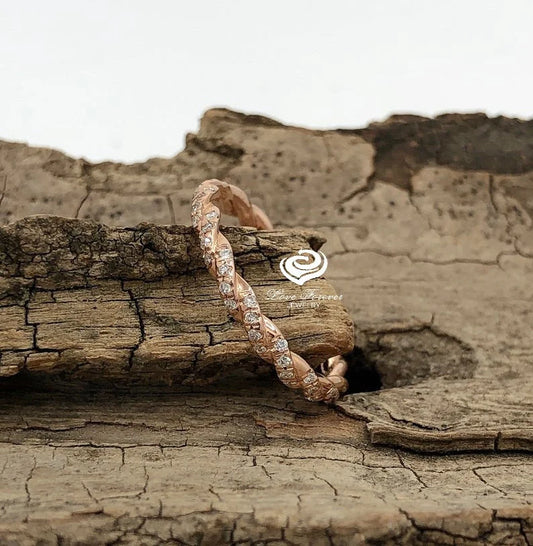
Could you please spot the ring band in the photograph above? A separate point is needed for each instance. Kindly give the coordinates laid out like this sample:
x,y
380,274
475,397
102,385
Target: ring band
x,y
212,198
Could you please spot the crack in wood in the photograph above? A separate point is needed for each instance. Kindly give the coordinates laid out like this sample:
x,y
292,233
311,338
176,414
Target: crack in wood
x,y
429,238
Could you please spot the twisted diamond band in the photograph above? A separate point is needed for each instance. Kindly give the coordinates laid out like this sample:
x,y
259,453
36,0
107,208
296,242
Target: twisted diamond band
x,y
210,199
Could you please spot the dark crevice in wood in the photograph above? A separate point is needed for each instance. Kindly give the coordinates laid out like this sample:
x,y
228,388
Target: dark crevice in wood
x,y
362,373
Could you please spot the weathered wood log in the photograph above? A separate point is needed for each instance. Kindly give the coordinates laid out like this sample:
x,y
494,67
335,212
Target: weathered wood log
x,y
84,301
430,242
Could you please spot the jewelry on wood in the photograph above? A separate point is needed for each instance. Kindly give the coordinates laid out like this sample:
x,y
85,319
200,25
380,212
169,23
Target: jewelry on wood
x,y
212,198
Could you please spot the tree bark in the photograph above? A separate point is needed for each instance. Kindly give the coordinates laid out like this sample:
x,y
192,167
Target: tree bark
x,y
430,242
136,305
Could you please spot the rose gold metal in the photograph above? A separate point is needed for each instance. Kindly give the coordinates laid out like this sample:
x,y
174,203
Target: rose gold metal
x,y
212,198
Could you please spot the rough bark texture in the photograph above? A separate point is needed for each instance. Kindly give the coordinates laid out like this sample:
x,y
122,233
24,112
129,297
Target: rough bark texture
x,y
430,241
86,302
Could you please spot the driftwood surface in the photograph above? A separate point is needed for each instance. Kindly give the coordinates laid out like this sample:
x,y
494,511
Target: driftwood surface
x,y
430,242
82,301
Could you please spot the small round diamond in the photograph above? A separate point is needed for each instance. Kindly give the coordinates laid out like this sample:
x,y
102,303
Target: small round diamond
x,y
254,335
251,316
310,378
225,288
224,269
207,241
211,215
249,301
284,361
281,345
261,349
207,227
230,304
207,260
287,374
195,220
224,252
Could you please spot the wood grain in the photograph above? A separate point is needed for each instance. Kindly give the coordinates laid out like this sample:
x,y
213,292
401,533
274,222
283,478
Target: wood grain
x,y
430,242
86,302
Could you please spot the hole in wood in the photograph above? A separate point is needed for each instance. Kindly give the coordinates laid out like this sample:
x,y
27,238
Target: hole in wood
x,y
362,375
395,359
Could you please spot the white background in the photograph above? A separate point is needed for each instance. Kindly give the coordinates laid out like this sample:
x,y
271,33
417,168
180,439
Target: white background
x,y
125,80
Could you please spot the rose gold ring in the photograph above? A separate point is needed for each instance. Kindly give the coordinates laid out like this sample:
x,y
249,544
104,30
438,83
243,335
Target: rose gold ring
x,y
210,199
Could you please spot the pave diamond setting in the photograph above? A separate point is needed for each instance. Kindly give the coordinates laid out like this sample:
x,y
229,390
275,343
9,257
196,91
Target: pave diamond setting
x,y
255,335
249,301
251,317
230,304
284,361
224,269
225,288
